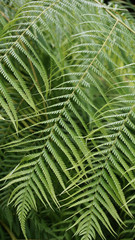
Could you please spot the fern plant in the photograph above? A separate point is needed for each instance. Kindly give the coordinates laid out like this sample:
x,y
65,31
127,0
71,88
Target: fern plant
x,y
67,120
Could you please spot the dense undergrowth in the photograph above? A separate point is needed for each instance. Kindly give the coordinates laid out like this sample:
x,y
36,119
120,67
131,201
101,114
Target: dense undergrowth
x,y
67,120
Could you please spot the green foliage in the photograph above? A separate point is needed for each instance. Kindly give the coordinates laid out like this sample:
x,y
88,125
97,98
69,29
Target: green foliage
x,y
67,120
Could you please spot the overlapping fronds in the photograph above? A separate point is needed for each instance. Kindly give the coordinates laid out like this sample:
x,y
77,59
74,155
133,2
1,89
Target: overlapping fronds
x,y
112,155
67,87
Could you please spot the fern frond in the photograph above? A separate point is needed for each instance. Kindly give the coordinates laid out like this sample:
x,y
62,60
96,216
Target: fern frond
x,y
66,82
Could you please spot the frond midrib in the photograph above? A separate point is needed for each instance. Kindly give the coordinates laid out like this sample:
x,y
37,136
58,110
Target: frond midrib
x,y
31,24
